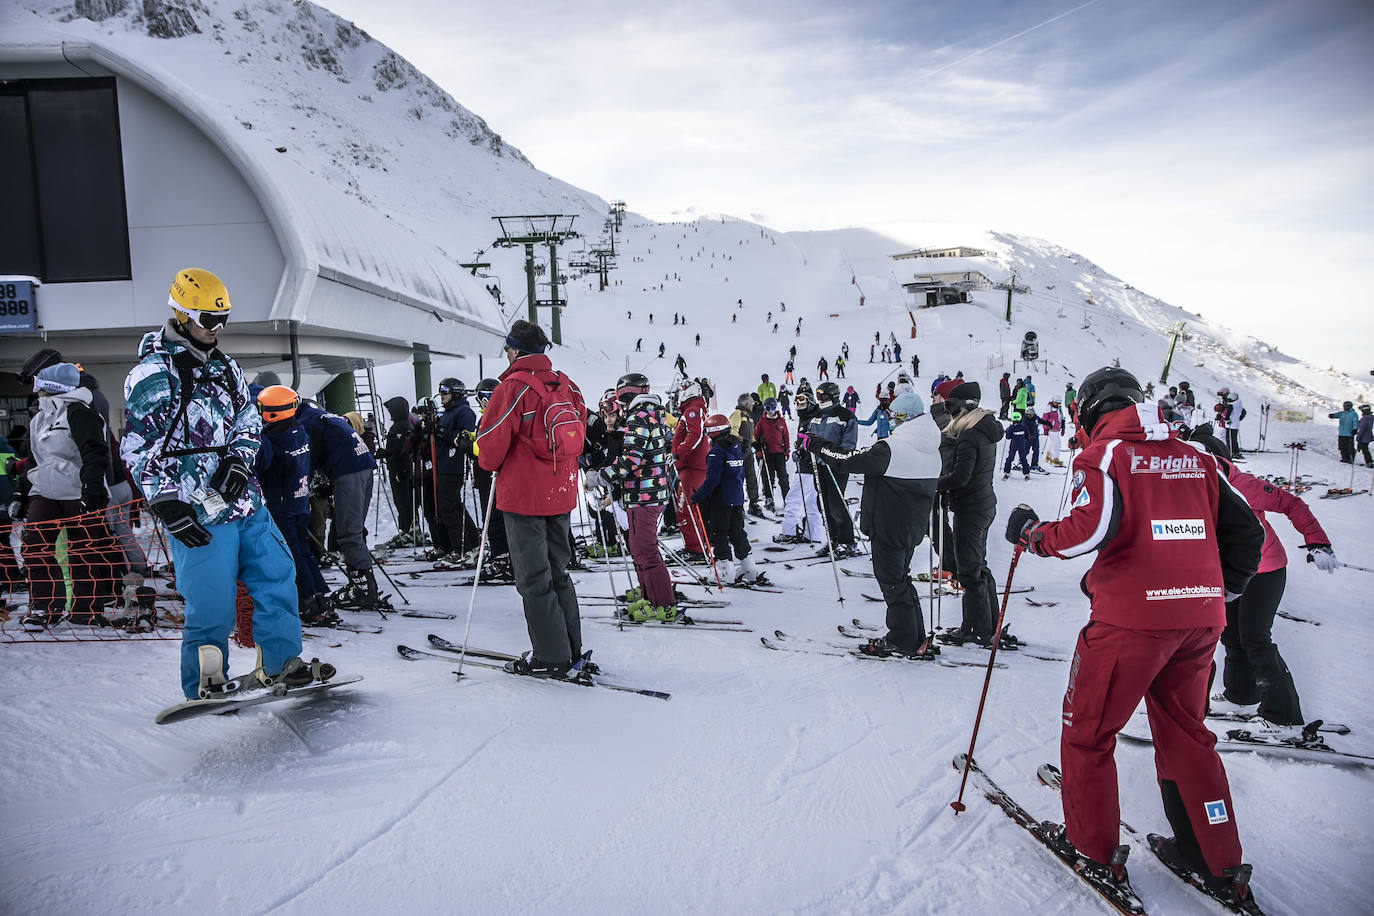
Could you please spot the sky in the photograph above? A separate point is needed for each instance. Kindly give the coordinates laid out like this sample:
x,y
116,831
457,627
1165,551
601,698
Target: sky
x,y
1219,154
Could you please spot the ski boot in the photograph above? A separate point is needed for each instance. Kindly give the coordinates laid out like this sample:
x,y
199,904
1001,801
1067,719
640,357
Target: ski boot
x,y
1219,703
316,612
845,551
633,594
498,569
360,594
1111,873
38,621
882,648
295,673
1231,888
530,666
756,512
749,573
1005,641
212,681
956,636
1308,735
693,556
583,667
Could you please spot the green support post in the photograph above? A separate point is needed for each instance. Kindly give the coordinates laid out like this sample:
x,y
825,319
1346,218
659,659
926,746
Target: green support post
x,y
423,387
555,326
529,283
339,396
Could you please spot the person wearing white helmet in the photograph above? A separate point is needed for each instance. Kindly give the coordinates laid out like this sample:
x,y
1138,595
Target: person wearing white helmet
x,y
900,473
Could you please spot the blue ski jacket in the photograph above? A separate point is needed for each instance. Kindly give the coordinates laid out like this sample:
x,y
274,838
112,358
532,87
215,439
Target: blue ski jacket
x,y
724,472
335,448
450,445
283,467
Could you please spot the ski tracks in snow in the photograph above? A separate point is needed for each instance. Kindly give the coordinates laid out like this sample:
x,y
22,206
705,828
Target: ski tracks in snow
x,y
386,826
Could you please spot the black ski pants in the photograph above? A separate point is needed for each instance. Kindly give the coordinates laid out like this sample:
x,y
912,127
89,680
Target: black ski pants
x,y
776,463
1255,671
496,527
831,488
1346,445
971,570
463,533
725,530
403,494
892,552
751,478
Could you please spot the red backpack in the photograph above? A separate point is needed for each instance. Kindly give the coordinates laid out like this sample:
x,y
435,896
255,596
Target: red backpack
x,y
558,429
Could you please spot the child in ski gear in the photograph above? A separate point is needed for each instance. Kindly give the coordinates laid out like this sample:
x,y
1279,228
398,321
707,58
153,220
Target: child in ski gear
x,y
968,459
1018,445
536,490
851,398
721,500
1345,433
63,489
880,416
900,474
1255,672
1173,540
191,435
641,472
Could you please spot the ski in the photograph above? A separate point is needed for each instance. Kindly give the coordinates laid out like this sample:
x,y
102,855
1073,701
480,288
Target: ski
x,y
1341,493
1296,619
679,624
864,574
372,631
485,658
693,620
1164,850
218,706
750,586
681,602
789,643
1033,603
1331,728
1121,897
1242,740
429,615
1019,648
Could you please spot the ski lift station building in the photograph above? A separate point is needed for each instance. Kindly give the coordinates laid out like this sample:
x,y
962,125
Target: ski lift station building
x,y
115,176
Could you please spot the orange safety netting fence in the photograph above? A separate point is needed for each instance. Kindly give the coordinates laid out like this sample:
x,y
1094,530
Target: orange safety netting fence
x,y
100,576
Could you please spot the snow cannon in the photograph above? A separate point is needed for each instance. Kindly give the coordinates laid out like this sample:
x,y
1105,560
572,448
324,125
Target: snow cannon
x,y
1030,346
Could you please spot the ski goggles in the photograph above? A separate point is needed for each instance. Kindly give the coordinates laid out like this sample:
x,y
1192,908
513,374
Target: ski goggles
x,y
210,321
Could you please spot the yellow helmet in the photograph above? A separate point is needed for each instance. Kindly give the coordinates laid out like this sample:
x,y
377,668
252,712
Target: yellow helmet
x,y
198,295
277,402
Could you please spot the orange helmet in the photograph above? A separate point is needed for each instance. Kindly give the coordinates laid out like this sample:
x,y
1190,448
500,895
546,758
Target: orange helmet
x,y
277,402
716,424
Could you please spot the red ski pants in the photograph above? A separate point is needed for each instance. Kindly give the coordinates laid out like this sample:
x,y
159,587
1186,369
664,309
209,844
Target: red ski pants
x,y
688,522
1113,668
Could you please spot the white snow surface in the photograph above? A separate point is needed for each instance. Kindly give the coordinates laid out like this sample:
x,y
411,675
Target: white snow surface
x,y
771,782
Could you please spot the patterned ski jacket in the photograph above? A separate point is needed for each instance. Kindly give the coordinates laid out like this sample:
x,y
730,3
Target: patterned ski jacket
x,y
641,468
174,436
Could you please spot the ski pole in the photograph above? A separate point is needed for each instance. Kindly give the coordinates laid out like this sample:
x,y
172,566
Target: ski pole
x,y
477,575
1346,565
829,540
601,538
683,564
701,533
958,803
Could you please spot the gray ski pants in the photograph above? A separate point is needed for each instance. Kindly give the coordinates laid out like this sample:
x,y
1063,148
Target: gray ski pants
x,y
352,497
539,555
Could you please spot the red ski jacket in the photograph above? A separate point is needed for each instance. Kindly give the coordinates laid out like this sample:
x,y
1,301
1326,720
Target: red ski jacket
x,y
1172,537
773,434
525,484
1265,497
690,443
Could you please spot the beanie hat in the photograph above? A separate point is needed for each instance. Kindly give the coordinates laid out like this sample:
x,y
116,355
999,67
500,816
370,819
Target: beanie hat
x,y
58,378
908,404
967,391
945,389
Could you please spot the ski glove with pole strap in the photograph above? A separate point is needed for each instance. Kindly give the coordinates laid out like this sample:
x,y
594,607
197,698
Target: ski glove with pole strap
x,y
180,520
93,498
1021,529
1324,557
231,478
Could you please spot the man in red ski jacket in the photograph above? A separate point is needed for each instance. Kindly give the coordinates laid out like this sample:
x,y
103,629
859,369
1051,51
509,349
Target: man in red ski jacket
x,y
535,495
1174,541
690,446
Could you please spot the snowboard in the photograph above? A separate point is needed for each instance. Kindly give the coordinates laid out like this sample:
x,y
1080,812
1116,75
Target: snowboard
x,y
194,709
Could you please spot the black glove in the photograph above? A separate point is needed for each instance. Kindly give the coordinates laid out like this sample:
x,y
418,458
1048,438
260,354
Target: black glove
x,y
180,520
94,498
1020,524
231,478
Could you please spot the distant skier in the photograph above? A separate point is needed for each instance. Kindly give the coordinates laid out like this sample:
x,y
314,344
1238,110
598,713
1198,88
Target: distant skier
x,y
1364,434
766,388
698,342
822,369
639,344
851,398
661,349
1136,646
787,373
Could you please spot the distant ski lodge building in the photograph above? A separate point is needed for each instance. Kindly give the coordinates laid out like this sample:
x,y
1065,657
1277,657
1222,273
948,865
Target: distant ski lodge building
x,y
116,176
957,251
945,288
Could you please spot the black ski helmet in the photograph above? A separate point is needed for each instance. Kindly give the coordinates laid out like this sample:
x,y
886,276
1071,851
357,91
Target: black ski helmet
x,y
828,391
629,385
454,387
1104,390
485,387
770,405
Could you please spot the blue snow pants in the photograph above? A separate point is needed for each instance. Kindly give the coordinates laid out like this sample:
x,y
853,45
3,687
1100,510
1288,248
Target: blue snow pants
x,y
295,528
250,550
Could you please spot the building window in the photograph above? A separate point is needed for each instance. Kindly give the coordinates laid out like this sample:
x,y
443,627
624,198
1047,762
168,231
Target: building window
x,y
62,177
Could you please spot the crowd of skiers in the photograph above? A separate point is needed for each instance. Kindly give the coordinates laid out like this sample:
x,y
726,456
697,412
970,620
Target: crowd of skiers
x,y
240,474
